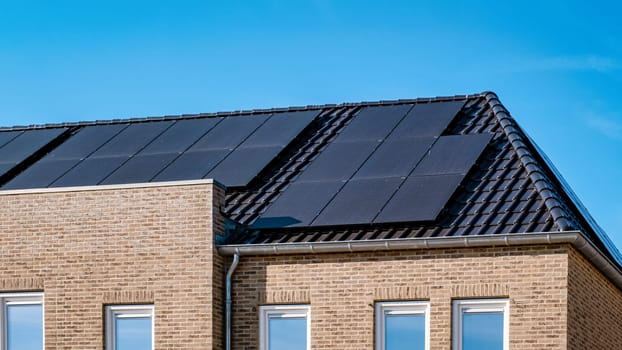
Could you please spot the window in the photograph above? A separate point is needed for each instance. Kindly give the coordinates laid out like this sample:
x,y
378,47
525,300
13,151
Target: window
x,y
21,321
285,327
129,327
402,325
481,324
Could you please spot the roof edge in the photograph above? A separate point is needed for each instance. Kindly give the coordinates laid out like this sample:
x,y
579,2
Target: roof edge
x,y
399,243
575,238
112,187
241,112
520,144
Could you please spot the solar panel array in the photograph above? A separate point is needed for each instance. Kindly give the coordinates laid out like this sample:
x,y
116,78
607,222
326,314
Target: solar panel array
x,y
17,146
389,164
232,150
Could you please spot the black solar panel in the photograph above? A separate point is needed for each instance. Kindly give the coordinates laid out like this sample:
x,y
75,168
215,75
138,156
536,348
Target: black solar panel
x,y
395,158
90,171
378,166
298,205
421,198
86,141
180,136
373,123
132,139
140,168
192,165
41,174
380,163
338,161
7,136
454,154
243,164
280,129
260,147
358,202
427,119
230,132
4,167
155,150
27,143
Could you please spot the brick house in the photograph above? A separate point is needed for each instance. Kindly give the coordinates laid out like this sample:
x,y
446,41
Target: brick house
x,y
435,223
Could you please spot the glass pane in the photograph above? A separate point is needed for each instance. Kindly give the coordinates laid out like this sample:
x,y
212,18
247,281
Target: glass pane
x,y
404,332
133,333
482,331
24,327
287,333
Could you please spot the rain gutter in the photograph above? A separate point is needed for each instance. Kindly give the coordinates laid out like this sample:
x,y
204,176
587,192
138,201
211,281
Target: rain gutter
x,y
575,238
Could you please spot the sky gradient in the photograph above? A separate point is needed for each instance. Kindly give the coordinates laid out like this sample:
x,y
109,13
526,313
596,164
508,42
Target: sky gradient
x,y
556,65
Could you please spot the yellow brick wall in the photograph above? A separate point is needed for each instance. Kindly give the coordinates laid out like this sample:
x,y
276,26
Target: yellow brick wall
x,y
342,289
594,307
86,249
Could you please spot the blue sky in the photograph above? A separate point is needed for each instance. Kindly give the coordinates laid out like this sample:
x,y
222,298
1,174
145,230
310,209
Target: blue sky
x,y
24,327
556,65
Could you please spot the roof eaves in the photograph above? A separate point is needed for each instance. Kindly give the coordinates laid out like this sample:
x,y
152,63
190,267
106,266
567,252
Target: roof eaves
x,y
575,238
495,240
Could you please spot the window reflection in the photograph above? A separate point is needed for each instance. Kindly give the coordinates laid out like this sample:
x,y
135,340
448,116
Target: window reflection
x,y
287,333
133,333
404,332
482,331
24,326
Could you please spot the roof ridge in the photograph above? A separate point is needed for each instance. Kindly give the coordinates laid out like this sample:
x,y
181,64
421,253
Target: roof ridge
x,y
535,172
240,112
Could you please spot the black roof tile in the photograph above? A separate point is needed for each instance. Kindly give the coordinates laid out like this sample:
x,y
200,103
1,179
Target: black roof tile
x,y
509,192
512,188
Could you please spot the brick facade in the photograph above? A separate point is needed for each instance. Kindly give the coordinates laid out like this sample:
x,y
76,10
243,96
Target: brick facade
x,y
88,248
119,245
342,289
594,307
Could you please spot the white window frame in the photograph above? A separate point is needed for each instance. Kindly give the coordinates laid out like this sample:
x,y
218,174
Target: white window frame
x,y
401,308
28,298
461,307
281,311
114,312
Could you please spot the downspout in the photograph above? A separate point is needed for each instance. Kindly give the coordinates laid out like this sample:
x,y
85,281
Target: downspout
x,y
234,264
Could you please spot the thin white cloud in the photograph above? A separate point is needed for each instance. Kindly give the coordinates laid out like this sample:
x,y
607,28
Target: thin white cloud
x,y
570,63
606,125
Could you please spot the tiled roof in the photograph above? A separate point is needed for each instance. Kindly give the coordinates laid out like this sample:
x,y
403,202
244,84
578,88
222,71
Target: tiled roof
x,y
498,196
511,188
